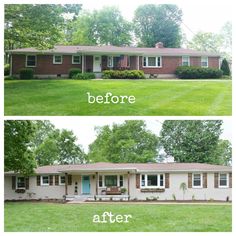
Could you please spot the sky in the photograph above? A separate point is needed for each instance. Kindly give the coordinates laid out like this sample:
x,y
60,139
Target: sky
x,y
83,127
201,15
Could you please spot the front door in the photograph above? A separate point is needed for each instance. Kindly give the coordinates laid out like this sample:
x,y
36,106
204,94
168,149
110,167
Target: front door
x,y
97,64
85,184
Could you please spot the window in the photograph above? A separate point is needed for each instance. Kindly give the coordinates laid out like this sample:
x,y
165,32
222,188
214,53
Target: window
x,y
197,180
100,181
76,59
20,182
44,180
152,62
185,61
223,180
57,59
204,61
110,180
110,61
62,180
30,61
121,181
152,180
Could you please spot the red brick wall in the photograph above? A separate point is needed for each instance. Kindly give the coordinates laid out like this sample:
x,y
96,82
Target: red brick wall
x,y
133,63
89,63
213,62
45,65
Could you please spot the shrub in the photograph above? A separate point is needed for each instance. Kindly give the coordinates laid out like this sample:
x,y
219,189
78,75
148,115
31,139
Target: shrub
x,y
73,72
84,76
6,69
196,72
225,67
26,73
123,74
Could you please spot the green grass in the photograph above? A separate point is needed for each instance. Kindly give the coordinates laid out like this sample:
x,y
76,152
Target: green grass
x,y
153,97
21,217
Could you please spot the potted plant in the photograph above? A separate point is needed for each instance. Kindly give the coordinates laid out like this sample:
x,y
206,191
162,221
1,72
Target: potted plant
x,y
123,190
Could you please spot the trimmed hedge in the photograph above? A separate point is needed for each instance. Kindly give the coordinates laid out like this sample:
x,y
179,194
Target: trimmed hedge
x,y
84,76
225,67
6,69
26,73
197,72
123,74
73,72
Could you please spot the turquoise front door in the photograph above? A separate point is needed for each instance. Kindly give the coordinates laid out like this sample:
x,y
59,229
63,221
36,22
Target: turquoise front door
x,y
85,184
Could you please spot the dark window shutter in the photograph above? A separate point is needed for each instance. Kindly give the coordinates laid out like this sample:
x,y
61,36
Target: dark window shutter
x,y
27,182
38,180
50,179
204,180
13,182
56,179
69,179
137,180
216,178
230,180
167,180
190,180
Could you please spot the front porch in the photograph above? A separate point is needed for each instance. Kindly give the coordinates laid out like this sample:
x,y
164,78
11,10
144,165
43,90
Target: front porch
x,y
100,198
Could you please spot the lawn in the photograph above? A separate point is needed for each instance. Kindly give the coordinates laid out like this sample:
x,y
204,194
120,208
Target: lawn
x,y
21,217
153,97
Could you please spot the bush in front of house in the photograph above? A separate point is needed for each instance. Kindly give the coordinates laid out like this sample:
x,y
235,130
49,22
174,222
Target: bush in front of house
x,y
225,67
123,74
26,73
6,69
84,76
196,72
73,72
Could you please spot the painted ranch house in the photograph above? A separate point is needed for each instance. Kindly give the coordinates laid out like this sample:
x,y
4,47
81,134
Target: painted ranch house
x,y
126,181
158,61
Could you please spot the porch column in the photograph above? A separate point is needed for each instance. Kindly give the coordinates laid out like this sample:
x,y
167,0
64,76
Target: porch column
x,y
66,184
82,63
128,183
10,55
96,183
138,63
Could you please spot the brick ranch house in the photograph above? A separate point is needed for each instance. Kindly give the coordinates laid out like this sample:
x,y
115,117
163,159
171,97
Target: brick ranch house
x,y
158,61
106,180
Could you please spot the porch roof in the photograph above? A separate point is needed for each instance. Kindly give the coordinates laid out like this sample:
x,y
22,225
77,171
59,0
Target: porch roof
x,y
114,50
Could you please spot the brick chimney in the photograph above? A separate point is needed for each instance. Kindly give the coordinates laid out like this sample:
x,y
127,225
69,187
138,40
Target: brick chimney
x,y
159,45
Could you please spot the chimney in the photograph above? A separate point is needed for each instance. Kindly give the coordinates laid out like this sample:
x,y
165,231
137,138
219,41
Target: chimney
x,y
159,45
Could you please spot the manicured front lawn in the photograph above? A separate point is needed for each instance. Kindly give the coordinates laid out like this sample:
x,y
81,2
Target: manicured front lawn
x,y
153,218
153,97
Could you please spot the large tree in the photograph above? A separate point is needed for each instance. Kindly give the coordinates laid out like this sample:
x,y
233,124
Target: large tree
x,y
191,140
126,142
158,23
18,154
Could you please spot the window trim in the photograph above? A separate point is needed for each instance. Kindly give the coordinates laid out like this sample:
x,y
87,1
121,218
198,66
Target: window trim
x,y
128,61
60,183
206,61
227,179
57,63
76,63
158,180
26,60
201,179
112,62
17,182
41,180
188,60
156,66
103,180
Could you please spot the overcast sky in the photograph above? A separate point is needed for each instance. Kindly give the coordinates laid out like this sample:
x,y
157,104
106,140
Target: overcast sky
x,y
83,127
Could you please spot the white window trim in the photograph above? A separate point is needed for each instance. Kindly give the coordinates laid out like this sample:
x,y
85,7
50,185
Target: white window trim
x,y
26,60
60,183
202,61
188,60
227,178
112,62
146,57
41,180
158,180
76,63
201,178
17,182
57,63
103,180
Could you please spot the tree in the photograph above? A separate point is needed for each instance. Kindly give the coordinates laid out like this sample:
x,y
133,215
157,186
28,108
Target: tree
x,y
191,140
225,67
127,142
158,23
18,155
226,33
